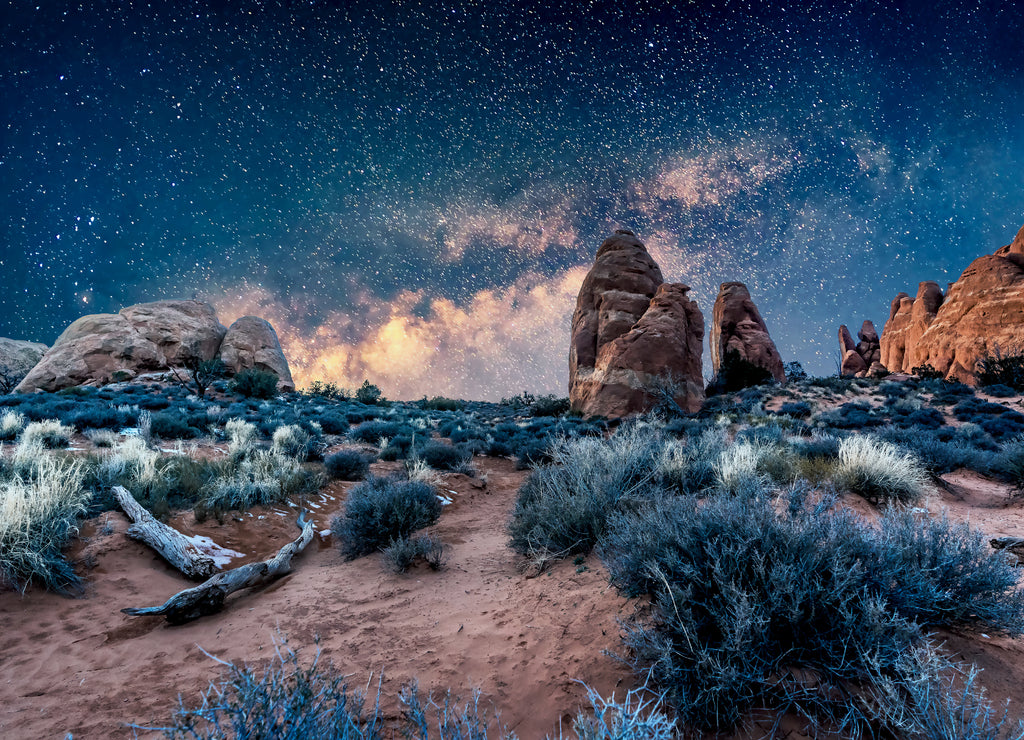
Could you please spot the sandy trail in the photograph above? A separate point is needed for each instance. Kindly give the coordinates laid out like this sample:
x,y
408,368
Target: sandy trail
x,y
80,666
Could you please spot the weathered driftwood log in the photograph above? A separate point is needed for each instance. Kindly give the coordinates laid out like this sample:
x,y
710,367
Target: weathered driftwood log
x,y
173,546
1014,545
208,597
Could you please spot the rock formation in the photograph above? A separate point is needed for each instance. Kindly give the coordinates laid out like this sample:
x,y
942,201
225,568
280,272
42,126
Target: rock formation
x,y
737,326
982,314
145,338
633,335
251,342
17,358
861,359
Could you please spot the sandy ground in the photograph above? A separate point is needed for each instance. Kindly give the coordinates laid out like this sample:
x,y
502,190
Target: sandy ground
x,y
80,666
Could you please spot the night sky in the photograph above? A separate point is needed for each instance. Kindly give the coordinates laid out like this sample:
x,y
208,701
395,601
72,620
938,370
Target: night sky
x,y
412,192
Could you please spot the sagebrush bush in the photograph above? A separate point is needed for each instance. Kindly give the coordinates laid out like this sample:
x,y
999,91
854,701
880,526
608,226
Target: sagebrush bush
x,y
347,465
254,383
39,510
563,506
794,610
879,471
443,457
379,511
11,424
172,425
50,434
401,554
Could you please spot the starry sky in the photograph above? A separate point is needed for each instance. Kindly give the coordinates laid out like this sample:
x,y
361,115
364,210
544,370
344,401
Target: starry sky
x,y
411,192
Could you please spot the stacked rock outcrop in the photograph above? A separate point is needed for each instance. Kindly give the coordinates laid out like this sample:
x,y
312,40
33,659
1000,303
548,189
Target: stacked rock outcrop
x,y
862,358
145,338
252,343
633,335
981,315
737,327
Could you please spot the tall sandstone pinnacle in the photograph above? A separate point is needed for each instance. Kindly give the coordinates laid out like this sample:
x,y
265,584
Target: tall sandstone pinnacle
x,y
632,335
860,359
981,314
737,326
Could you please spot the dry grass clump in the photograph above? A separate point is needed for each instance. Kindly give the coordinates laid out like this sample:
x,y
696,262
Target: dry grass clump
x,y
241,438
879,471
291,440
11,424
39,508
50,433
131,463
264,477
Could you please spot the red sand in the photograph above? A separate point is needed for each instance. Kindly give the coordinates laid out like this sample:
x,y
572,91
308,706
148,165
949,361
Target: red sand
x,y
80,666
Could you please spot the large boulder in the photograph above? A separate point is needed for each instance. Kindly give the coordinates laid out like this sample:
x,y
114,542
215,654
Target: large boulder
x,y
251,342
633,336
145,338
737,327
981,315
17,358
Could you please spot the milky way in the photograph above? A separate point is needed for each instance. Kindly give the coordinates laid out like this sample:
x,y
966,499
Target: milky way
x,y
412,192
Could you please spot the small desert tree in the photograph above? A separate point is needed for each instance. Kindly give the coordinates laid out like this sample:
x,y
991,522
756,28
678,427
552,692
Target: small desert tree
x,y
199,374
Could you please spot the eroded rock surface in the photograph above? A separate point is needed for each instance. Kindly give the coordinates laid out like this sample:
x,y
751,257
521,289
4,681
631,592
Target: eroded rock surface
x,y
861,358
17,358
251,342
981,315
737,326
633,335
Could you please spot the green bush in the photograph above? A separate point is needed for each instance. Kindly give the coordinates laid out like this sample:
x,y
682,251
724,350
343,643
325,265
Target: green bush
x,y
379,511
369,394
172,425
255,384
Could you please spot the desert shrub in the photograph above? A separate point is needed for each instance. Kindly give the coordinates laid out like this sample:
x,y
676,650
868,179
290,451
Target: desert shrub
x,y
817,446
241,438
690,468
50,434
923,418
549,406
321,389
285,700
440,403
11,424
373,431
930,697
254,383
563,507
797,609
403,553
794,372
96,417
532,452
39,509
379,511
852,415
172,425
879,471
1009,461
496,448
1006,425
443,457
103,438
347,465
744,466
1000,369
334,423
1001,391
292,440
796,409
152,403
369,394
130,464
263,477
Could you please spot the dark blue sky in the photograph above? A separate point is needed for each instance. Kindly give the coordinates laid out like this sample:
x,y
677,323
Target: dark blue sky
x,y
410,191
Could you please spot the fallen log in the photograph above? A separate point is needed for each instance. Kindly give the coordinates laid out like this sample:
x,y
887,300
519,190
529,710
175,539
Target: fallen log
x,y
209,597
1014,545
173,546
